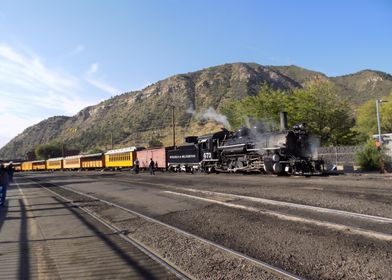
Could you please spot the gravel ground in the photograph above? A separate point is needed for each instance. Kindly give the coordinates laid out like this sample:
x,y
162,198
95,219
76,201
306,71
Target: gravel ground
x,y
304,250
365,194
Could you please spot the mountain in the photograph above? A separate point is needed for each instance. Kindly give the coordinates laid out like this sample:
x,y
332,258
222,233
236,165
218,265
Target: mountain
x,y
364,85
298,74
134,118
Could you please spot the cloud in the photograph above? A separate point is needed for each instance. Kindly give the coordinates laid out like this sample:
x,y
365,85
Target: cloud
x,y
103,86
24,76
98,83
77,50
12,125
93,68
31,91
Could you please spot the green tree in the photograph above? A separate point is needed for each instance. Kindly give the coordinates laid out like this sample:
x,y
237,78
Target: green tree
x,y
326,113
317,104
367,117
154,143
95,150
49,150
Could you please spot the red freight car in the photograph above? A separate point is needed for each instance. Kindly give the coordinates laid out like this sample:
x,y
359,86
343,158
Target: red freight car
x,y
158,155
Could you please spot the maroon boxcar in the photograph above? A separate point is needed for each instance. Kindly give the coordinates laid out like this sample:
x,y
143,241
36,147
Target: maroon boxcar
x,y
158,155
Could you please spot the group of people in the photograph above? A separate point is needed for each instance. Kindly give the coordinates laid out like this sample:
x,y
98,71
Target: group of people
x,y
152,166
6,176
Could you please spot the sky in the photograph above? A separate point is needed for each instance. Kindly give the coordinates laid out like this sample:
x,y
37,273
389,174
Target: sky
x,y
57,57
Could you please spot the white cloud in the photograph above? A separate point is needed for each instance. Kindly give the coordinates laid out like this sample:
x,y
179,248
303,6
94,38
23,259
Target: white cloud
x,y
103,86
31,91
11,125
98,83
77,50
93,68
26,77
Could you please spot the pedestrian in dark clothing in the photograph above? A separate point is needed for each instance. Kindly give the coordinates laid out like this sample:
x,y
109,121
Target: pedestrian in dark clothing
x,y
137,166
156,165
152,167
10,170
3,184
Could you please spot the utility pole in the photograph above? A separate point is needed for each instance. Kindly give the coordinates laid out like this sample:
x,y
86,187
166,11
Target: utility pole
x,y
174,127
378,102
111,139
62,148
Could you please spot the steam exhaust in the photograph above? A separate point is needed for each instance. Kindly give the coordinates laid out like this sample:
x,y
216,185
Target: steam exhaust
x,y
283,121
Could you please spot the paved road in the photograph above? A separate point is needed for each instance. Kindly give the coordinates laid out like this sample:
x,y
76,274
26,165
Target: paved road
x,y
318,228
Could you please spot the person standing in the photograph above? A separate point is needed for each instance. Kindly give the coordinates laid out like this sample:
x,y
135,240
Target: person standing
x,y
3,184
10,170
152,167
137,166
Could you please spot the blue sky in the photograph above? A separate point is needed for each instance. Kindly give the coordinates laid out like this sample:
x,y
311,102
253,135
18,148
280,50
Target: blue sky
x,y
56,57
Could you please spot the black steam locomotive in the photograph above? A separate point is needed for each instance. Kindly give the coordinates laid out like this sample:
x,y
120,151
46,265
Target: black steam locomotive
x,y
288,151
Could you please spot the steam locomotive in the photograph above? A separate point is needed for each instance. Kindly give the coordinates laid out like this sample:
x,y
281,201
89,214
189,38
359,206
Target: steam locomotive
x,y
288,151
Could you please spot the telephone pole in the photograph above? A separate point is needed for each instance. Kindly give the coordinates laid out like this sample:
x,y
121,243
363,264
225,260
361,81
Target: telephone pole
x,y
111,139
378,103
174,127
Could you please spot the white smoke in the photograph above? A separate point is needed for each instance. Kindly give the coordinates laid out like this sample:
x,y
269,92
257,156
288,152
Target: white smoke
x,y
209,114
314,143
191,110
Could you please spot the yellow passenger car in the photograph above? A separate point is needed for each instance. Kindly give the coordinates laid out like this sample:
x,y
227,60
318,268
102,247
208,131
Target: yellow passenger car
x,y
54,163
39,165
27,166
17,166
72,162
120,157
93,161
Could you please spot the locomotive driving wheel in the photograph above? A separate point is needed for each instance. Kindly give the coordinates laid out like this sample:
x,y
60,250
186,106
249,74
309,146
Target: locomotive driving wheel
x,y
269,165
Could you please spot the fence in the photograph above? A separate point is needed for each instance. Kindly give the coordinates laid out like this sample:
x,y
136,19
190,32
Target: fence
x,y
344,157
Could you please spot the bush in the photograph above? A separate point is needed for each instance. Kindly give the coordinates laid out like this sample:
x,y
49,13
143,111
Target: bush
x,y
49,150
154,143
369,157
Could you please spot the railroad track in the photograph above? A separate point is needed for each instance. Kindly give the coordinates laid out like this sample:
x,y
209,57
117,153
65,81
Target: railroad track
x,y
66,194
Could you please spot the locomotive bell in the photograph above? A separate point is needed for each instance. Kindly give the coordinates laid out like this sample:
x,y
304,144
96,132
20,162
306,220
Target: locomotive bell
x,y
283,121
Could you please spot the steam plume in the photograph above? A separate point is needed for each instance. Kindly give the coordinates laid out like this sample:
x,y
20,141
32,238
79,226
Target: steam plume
x,y
210,114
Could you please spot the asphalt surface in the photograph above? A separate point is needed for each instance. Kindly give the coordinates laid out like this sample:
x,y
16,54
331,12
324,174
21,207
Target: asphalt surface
x,y
317,228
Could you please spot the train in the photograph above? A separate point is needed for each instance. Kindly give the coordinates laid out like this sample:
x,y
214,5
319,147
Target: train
x,y
285,152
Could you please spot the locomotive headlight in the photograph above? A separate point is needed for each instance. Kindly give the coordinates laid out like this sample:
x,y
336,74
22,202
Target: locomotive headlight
x,y
276,157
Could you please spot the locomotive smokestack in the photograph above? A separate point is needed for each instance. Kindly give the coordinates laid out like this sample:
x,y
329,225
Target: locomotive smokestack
x,y
283,121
